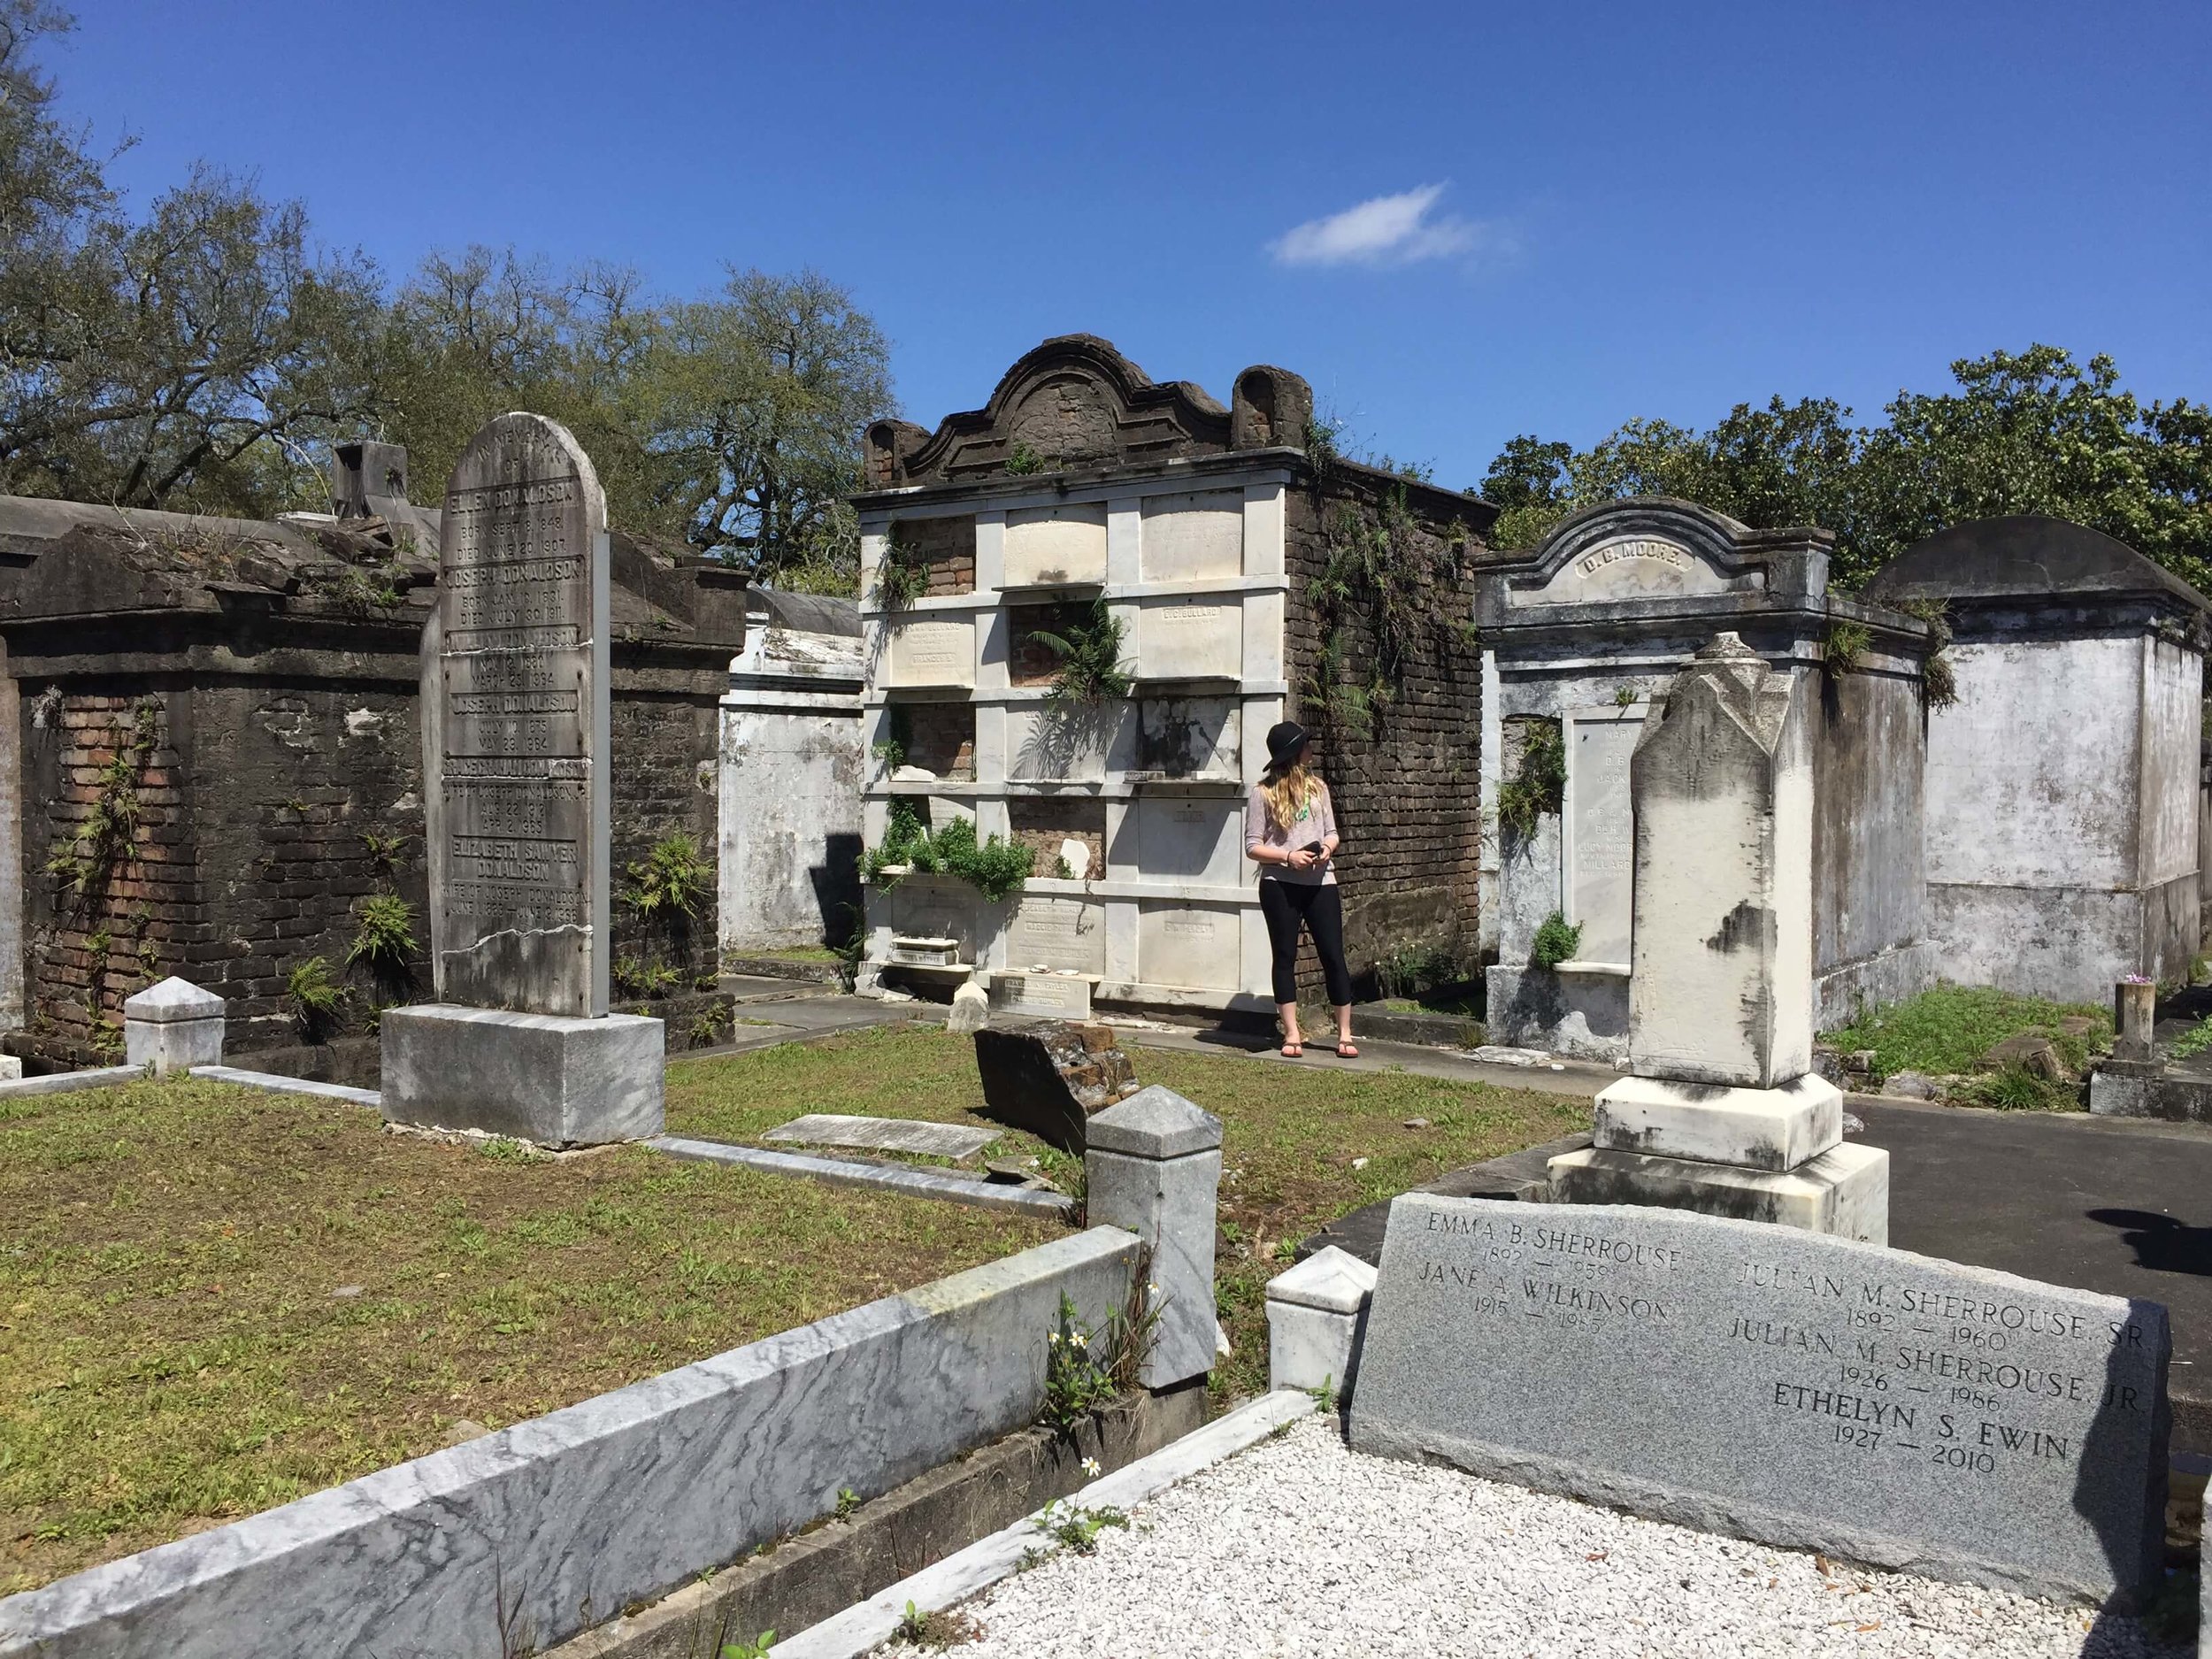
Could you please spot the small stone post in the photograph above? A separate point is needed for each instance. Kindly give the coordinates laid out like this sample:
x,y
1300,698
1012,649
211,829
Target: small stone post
x,y
172,1027
1153,1166
1314,1316
2134,1014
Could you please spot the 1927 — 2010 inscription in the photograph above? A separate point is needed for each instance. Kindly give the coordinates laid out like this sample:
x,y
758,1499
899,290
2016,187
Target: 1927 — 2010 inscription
x,y
521,633
1784,1384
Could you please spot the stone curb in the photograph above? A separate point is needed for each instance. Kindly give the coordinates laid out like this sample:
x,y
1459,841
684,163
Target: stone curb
x,y
817,1575
915,1182
277,1083
63,1082
983,1564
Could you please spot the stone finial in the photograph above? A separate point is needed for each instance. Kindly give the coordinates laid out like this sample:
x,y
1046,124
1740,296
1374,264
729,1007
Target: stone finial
x,y
971,1010
173,999
1155,1123
172,1027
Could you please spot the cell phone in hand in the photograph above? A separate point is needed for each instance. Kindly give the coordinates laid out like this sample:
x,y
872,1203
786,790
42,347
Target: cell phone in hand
x,y
1316,848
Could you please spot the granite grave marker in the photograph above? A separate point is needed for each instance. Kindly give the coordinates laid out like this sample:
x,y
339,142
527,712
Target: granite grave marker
x,y
1783,1385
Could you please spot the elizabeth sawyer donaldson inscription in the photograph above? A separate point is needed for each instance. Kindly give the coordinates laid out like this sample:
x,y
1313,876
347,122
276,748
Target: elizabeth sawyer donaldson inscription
x,y
1784,1385
515,709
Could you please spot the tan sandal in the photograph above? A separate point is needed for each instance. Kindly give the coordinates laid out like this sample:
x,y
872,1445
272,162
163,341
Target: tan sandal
x,y
1293,1051
1348,1050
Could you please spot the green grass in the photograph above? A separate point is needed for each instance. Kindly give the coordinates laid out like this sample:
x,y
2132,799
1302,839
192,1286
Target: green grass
x,y
1291,1135
1947,1030
173,1353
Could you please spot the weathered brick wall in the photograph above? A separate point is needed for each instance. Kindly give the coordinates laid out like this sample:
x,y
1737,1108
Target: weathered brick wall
x,y
264,811
664,784
947,548
1398,730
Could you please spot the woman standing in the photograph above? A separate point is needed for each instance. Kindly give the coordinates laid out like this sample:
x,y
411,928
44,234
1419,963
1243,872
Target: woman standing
x,y
1290,832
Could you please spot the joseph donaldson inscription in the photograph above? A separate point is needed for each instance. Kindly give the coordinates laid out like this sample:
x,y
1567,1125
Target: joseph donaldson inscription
x,y
1784,1385
517,711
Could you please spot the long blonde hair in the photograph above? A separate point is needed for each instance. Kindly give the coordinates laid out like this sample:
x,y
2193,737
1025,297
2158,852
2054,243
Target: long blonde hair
x,y
1287,788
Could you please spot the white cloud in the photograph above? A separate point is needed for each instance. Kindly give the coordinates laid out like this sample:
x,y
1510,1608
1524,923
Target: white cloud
x,y
1388,230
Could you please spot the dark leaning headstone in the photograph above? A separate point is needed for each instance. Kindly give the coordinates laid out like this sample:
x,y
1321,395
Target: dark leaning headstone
x,y
516,804
1775,1384
1051,1077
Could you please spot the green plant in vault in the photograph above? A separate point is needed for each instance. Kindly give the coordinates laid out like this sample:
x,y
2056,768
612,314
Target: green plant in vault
x,y
672,880
1089,650
902,572
1539,786
384,935
1556,941
315,996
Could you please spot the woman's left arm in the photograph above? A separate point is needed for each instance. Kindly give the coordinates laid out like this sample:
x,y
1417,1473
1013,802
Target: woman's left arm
x,y
1329,840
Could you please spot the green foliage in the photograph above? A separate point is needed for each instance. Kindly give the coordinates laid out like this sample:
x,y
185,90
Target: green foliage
x,y
315,996
384,933
1022,461
1090,671
1842,646
1624,696
103,842
1338,702
2192,1042
994,867
1086,1369
1539,786
1325,1397
757,1649
1074,1527
709,1025
2016,1088
204,353
898,731
1938,682
385,851
902,572
1556,941
847,1501
672,880
634,977
1947,1029
2028,432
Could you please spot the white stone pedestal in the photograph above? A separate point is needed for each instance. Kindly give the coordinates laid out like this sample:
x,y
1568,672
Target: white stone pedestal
x,y
544,1077
172,1027
1772,1154
1314,1316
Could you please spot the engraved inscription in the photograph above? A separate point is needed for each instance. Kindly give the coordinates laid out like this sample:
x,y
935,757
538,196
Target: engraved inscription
x,y
1631,548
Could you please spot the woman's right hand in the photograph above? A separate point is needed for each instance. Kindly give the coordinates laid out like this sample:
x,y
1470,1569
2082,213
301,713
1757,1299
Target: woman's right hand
x,y
1299,858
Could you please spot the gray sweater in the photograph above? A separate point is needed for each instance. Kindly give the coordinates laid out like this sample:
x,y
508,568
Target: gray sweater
x,y
1316,821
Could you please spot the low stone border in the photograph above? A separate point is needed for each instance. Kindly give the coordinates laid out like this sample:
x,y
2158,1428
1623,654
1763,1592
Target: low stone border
x,y
277,1083
961,1189
982,1565
63,1082
815,1576
532,1535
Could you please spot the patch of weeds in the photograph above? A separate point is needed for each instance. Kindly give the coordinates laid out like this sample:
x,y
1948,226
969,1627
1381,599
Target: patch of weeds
x,y
708,1025
2018,1089
902,573
1939,682
2194,1040
941,1629
1024,462
1624,696
847,1501
672,880
385,851
1541,784
315,998
1085,1370
1843,647
1324,1396
898,731
634,977
1556,941
1074,1527
756,1648
1947,1029
506,1149
384,933
994,867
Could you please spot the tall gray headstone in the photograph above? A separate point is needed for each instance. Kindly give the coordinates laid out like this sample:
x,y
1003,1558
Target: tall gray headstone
x,y
515,800
516,723
1778,1385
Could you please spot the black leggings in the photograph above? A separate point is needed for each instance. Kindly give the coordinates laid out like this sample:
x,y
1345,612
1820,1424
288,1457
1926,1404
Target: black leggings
x,y
1288,903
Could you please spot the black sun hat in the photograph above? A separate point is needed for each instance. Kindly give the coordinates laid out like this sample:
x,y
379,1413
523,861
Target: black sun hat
x,y
1284,740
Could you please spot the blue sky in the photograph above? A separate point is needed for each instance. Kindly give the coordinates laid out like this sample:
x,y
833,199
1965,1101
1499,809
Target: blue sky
x,y
1561,215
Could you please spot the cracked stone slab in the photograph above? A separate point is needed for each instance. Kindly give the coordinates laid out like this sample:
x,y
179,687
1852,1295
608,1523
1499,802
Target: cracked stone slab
x,y
885,1134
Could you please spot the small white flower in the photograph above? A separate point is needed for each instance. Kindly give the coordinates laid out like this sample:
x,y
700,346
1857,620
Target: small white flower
x,y
1054,1339
1154,1287
1090,1467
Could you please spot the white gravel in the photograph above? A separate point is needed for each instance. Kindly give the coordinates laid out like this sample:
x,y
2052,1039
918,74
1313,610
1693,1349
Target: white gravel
x,y
1299,1547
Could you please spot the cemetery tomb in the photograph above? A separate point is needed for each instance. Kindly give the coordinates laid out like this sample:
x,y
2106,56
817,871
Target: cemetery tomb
x,y
1583,632
517,764
2079,666
1722,1114
1202,531
1805,1391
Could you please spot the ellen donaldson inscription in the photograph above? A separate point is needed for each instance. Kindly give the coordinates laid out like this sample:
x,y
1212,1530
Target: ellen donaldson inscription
x,y
514,714
1794,1387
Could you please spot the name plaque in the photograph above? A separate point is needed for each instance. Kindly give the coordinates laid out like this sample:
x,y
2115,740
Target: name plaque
x,y
1789,1386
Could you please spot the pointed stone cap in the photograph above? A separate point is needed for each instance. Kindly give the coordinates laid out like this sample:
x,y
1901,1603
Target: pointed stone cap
x,y
172,998
1154,1122
1334,1281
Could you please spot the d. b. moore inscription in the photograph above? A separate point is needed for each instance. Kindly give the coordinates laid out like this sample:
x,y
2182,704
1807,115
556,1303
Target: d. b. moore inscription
x,y
515,714
1789,1386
